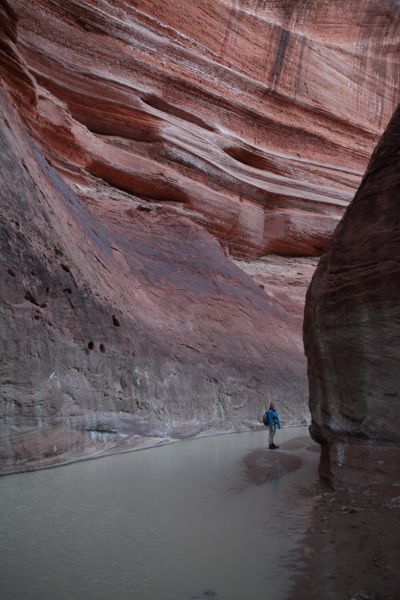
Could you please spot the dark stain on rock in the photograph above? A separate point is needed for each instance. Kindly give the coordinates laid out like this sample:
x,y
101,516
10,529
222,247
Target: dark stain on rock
x,y
279,57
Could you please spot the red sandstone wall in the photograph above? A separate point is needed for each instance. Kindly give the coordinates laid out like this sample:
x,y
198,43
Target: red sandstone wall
x,y
128,136
256,119
352,330
122,326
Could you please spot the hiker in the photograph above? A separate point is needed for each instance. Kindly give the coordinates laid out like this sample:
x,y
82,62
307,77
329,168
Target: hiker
x,y
272,419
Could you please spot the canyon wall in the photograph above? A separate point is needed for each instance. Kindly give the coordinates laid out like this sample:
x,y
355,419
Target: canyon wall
x,y
352,329
116,330
254,118
169,174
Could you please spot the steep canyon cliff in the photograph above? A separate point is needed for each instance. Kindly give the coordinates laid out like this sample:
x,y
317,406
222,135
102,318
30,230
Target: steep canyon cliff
x,y
351,331
170,173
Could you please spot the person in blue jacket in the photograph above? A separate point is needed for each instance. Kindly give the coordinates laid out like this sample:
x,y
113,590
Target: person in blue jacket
x,y
273,424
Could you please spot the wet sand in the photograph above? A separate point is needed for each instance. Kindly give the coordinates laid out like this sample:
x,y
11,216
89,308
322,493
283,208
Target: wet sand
x,y
351,550
267,465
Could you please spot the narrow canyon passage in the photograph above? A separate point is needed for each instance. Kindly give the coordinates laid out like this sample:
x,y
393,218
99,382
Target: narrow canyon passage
x,y
189,520
194,222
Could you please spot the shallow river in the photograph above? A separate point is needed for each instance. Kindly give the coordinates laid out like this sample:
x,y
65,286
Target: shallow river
x,y
176,522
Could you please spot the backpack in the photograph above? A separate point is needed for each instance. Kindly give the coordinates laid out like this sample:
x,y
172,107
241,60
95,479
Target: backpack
x,y
266,419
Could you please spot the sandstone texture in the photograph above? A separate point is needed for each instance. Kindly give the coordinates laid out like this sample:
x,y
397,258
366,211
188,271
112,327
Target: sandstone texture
x,y
352,329
122,326
113,329
169,172
254,118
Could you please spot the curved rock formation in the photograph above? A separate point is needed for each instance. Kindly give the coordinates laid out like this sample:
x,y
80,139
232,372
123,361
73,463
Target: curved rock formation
x,y
141,146
242,115
352,330
117,329
123,324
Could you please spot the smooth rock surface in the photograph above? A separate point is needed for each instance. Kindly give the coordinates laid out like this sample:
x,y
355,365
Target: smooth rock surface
x,y
256,119
352,330
125,328
113,328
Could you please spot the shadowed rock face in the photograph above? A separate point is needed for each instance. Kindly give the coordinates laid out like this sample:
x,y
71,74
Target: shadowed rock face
x,y
141,145
352,329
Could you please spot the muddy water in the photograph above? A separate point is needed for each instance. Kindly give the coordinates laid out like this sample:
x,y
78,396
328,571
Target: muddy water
x,y
177,522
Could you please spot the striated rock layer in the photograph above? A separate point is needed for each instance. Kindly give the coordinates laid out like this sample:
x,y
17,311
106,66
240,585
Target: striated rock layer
x,y
254,118
116,329
352,330
140,147
121,326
